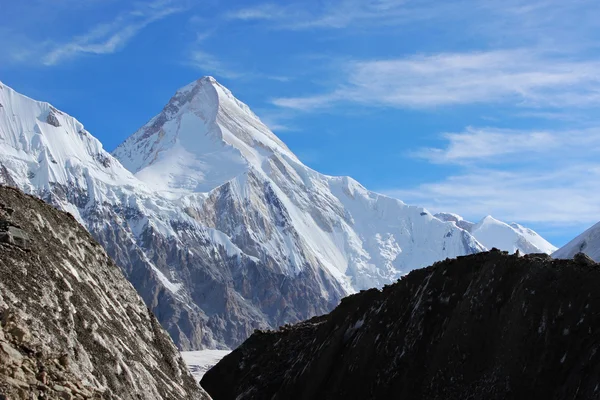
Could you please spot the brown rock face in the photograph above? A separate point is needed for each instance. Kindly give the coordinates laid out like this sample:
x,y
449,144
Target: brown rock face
x,y
486,326
71,326
52,119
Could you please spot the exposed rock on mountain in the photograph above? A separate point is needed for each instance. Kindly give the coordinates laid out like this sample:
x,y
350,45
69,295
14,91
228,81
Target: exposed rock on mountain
x,y
588,242
71,325
485,326
222,229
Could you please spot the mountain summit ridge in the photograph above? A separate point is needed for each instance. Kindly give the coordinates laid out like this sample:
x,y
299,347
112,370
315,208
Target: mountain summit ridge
x,y
201,139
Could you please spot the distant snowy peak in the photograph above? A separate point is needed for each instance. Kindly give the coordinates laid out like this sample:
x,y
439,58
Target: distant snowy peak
x,y
491,232
42,146
510,237
534,238
203,138
588,242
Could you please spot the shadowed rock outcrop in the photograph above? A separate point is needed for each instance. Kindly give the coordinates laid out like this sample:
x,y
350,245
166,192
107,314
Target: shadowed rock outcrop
x,y
71,325
485,326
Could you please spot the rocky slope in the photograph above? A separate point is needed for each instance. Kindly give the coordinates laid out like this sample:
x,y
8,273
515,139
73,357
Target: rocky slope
x,y
588,242
218,225
485,326
71,325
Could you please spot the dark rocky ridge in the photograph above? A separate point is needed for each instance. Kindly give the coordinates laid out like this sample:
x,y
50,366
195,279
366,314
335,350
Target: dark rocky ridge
x,y
485,326
71,326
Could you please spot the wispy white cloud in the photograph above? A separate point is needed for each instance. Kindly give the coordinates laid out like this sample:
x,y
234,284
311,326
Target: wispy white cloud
x,y
557,197
202,36
498,146
277,122
552,24
278,127
110,37
207,62
518,76
570,115
337,14
210,64
310,102
259,12
550,21
545,177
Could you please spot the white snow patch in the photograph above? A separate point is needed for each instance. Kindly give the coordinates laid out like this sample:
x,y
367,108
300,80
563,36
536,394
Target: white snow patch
x,y
199,362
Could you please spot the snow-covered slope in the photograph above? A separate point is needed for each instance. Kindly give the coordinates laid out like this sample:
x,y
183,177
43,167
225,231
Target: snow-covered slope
x,y
509,237
200,361
214,220
41,147
588,242
203,138
275,208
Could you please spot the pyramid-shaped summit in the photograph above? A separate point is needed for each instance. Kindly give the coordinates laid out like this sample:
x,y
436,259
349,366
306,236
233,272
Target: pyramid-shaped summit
x,y
201,139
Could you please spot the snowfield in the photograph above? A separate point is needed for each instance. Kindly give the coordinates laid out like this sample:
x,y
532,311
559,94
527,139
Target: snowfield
x,y
509,237
198,362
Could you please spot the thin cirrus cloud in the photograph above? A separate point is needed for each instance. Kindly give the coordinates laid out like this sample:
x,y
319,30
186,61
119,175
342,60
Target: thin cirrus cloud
x,y
554,197
520,76
340,14
511,21
110,37
526,176
259,12
493,145
208,63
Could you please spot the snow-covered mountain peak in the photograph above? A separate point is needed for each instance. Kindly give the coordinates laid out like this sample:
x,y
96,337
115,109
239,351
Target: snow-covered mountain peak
x,y
43,147
202,138
486,221
205,80
491,232
208,91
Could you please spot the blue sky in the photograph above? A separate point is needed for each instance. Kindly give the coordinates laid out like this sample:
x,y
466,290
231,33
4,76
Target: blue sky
x,y
475,107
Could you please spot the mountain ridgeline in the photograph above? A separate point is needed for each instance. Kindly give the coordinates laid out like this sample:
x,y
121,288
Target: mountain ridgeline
x,y
484,326
217,224
71,325
588,242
